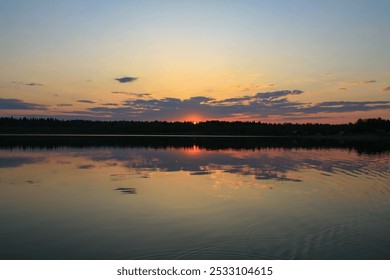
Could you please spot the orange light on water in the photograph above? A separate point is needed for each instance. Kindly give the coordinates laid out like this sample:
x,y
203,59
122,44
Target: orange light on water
x,y
192,151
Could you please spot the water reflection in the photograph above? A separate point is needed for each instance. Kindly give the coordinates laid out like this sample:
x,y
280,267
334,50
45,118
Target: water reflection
x,y
193,202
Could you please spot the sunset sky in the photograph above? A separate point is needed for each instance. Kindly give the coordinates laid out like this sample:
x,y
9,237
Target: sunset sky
x,y
275,61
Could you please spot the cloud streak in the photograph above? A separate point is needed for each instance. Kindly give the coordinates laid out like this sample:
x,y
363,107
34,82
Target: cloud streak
x,y
139,95
29,84
360,82
86,101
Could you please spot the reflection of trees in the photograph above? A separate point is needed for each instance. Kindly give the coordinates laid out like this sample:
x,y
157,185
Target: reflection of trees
x,y
361,145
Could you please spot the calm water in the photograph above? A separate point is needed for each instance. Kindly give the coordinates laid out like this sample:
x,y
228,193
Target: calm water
x,y
193,202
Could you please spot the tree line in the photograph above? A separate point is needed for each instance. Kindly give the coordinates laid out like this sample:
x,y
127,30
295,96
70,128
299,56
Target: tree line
x,y
12,125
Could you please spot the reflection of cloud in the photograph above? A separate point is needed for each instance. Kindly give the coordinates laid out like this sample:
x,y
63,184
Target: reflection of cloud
x,y
7,162
126,79
17,104
268,165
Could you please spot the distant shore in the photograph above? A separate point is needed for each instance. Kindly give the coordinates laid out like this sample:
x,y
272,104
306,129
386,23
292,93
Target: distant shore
x,y
367,128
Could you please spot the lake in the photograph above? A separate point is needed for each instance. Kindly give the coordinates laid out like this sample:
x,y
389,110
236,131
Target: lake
x,y
193,198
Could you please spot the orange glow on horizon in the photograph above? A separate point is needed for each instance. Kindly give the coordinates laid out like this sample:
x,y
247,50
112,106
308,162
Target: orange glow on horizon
x,y
194,118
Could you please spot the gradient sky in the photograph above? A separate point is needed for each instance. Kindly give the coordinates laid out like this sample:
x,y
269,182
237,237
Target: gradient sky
x,y
278,61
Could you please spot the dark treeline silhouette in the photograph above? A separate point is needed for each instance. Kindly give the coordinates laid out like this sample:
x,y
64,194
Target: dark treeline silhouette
x,y
55,126
360,145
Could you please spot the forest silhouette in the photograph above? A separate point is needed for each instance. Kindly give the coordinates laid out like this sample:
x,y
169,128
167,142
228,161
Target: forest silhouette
x,y
10,125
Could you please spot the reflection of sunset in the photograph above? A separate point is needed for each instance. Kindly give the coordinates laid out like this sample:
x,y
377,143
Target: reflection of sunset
x,y
192,151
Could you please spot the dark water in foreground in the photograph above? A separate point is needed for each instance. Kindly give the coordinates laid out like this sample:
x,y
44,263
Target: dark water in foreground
x,y
188,199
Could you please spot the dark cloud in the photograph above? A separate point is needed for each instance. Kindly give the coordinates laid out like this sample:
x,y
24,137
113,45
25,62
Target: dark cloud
x,y
277,94
347,106
110,104
126,79
29,84
343,88
86,101
260,105
17,104
64,105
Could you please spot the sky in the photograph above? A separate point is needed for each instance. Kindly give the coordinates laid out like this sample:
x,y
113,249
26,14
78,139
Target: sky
x,y
184,60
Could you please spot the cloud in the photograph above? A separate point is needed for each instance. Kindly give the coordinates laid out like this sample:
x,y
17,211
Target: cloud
x,y
17,104
126,79
360,82
347,106
85,101
258,106
386,89
139,95
110,104
277,94
64,105
343,88
29,84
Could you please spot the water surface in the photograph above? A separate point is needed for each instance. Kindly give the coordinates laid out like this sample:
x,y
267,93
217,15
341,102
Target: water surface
x,y
191,200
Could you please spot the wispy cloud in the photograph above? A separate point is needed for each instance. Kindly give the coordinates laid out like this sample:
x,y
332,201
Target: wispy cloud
x,y
253,86
139,95
126,79
64,105
359,82
86,101
110,104
28,84
17,104
343,88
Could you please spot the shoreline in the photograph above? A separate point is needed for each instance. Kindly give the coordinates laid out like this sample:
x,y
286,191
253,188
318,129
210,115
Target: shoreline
x,y
346,136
